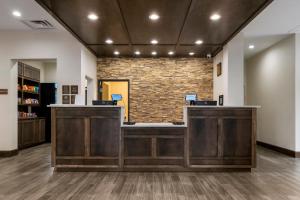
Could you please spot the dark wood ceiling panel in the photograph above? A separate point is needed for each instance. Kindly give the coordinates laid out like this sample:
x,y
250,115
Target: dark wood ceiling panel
x,y
199,51
47,3
127,23
162,50
128,51
109,25
234,14
146,50
166,30
108,50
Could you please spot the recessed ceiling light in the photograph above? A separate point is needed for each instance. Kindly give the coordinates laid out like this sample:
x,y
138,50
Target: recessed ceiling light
x,y
93,16
198,42
109,41
116,53
154,53
154,41
191,53
171,53
137,53
154,16
17,13
251,46
215,17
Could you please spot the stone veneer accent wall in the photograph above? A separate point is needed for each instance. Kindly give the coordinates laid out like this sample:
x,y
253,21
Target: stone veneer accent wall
x,y
158,85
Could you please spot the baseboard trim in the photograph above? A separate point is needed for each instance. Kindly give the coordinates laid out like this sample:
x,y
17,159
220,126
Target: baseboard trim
x,y
284,151
5,154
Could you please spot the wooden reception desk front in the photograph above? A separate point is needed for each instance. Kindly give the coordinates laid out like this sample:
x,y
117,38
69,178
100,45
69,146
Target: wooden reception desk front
x,y
94,138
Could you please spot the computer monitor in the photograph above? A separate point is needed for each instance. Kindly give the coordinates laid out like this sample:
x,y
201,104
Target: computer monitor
x,y
191,97
116,97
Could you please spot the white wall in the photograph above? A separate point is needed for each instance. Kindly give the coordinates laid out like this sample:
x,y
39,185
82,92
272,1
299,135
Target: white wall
x,y
219,81
9,108
297,91
89,70
270,83
231,82
50,70
45,45
235,49
58,45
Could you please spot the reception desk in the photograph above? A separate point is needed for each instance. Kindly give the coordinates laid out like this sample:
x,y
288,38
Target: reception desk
x,y
94,138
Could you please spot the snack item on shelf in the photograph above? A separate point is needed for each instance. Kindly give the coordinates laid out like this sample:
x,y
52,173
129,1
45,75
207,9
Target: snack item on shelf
x,y
26,115
36,89
31,101
28,88
25,88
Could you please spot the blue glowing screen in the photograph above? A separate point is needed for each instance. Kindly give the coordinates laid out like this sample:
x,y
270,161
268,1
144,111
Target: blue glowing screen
x,y
116,97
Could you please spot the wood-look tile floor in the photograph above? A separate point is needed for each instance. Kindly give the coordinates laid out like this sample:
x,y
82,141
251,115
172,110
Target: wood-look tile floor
x,y
29,176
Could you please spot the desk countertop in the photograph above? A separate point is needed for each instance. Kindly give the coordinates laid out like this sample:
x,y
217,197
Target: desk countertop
x,y
82,106
154,125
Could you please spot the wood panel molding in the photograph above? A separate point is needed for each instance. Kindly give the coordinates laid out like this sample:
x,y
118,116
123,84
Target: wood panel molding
x,y
222,136
86,137
5,154
282,150
214,138
31,132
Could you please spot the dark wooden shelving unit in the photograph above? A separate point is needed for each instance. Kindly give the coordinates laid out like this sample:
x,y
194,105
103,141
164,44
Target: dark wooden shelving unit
x,y
29,92
31,130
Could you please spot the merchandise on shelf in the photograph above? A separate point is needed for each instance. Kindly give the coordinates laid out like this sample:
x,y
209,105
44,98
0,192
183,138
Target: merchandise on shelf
x,y
28,88
31,101
26,115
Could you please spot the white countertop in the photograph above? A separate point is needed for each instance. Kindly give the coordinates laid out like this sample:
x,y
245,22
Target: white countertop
x,y
159,125
83,106
245,106
91,106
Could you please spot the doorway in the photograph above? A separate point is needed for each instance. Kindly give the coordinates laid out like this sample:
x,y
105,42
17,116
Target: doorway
x,y
108,88
36,89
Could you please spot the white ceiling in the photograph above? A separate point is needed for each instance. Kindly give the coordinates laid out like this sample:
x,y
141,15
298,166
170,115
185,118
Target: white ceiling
x,y
280,19
30,11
